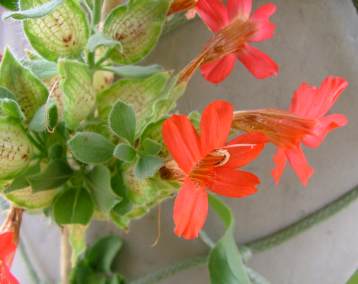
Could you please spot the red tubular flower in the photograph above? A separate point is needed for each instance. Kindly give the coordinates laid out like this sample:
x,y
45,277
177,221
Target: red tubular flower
x,y
182,5
7,253
208,162
234,29
312,103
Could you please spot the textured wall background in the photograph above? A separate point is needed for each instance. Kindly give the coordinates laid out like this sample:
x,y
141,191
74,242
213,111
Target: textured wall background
x,y
314,39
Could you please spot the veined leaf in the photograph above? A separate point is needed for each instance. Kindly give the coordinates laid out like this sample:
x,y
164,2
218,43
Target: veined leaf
x,y
137,25
34,13
10,109
140,94
124,152
147,166
225,263
45,119
99,39
26,198
43,69
30,93
73,206
16,148
79,94
62,33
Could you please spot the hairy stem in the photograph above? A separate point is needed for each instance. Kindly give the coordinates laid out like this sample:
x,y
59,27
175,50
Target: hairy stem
x,y
264,243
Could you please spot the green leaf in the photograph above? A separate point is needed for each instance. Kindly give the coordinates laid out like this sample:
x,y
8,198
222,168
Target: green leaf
x,y
147,166
16,148
137,25
125,152
45,119
9,4
91,148
353,279
122,121
225,263
73,206
10,109
79,94
62,33
99,39
77,239
99,183
29,91
6,94
56,174
26,198
134,71
140,94
43,69
150,147
33,13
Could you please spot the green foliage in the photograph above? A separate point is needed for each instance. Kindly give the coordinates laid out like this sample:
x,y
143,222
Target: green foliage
x,y
125,152
134,71
353,279
61,33
9,4
122,121
34,13
99,39
90,147
96,265
79,95
137,26
45,119
147,166
225,263
28,90
73,206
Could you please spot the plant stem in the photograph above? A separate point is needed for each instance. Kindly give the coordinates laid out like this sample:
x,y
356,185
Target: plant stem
x,y
65,260
264,243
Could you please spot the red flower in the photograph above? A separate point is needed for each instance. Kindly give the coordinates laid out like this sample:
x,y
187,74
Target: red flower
x,y
312,103
209,163
7,253
234,28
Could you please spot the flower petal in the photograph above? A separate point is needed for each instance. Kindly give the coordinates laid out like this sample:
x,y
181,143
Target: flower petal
x,y
280,161
299,163
7,247
324,126
213,13
5,275
261,19
218,70
244,149
215,126
234,183
190,210
257,62
182,141
239,8
315,103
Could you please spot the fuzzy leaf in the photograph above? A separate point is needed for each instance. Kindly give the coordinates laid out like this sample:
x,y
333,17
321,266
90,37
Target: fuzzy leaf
x,y
77,239
30,93
91,148
45,119
9,4
140,94
55,175
33,13
147,166
150,147
9,108
137,25
122,121
42,68
134,71
62,33
99,39
79,94
73,206
124,152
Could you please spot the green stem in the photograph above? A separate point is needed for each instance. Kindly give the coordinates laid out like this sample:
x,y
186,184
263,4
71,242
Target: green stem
x,y
264,243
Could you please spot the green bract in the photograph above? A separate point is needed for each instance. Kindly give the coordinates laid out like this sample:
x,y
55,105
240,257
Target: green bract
x,y
79,94
137,26
141,94
28,90
62,33
16,149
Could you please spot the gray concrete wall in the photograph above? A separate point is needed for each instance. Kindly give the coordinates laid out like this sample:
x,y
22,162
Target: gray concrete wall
x,y
314,39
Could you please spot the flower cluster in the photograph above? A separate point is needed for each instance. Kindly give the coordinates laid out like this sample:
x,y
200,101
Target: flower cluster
x,y
206,160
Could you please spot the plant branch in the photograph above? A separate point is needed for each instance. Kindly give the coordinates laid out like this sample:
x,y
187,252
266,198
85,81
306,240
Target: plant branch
x,y
264,243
